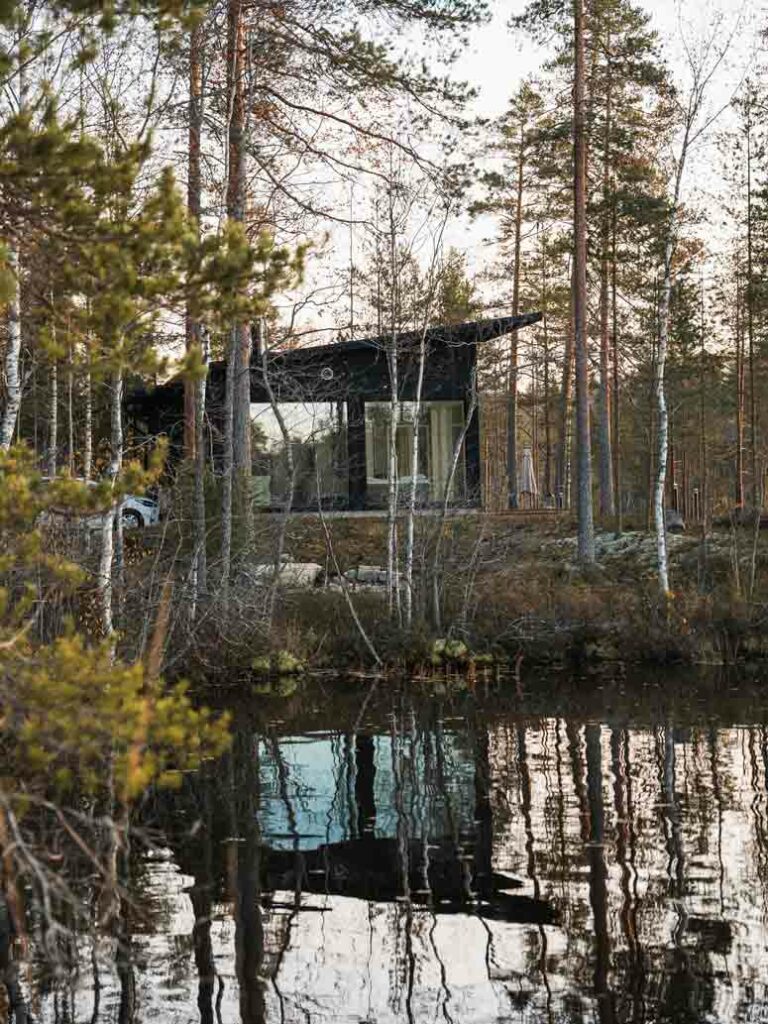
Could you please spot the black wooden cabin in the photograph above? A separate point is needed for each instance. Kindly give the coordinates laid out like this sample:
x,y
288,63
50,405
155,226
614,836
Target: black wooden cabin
x,y
336,401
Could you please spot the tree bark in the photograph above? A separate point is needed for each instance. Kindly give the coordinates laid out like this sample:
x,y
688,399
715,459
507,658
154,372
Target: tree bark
x,y
88,426
70,413
194,390
111,539
241,341
51,461
547,482
757,497
513,339
563,454
662,414
195,114
607,505
226,489
704,453
199,525
586,535
233,450
12,360
413,492
393,583
739,401
616,407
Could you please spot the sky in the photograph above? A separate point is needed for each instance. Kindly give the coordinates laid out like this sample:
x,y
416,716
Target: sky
x,y
496,62
498,59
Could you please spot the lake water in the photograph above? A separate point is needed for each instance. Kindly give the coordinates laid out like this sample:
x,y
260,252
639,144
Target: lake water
x,y
585,851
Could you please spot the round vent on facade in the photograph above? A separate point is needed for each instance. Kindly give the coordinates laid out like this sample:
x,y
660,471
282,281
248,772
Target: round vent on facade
x,y
326,373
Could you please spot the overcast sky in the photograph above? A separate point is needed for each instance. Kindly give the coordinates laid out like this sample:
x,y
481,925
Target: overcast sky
x,y
498,59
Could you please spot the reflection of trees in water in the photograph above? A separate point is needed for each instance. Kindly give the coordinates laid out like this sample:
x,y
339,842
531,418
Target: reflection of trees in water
x,y
651,842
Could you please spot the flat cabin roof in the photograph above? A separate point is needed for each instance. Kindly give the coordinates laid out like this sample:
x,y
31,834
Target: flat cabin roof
x,y
472,332
348,355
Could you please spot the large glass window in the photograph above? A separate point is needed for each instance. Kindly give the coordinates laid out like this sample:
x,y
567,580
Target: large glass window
x,y
318,440
439,429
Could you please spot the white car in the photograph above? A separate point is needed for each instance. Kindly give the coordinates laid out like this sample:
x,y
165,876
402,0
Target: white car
x,y
138,511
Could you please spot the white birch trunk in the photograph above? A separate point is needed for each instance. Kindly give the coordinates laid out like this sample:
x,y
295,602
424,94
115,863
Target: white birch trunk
x,y
415,451
53,420
104,575
12,360
393,589
457,450
662,413
70,415
226,491
88,427
392,481
116,465
111,538
291,466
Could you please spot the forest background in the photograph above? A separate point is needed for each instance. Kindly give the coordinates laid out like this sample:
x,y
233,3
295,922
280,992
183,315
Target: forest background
x,y
184,183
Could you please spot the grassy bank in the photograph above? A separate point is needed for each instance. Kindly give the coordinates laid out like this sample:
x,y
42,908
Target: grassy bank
x,y
510,592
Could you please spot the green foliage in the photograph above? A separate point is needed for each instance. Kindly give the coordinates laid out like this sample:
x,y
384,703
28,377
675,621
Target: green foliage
x,y
75,709
68,708
457,299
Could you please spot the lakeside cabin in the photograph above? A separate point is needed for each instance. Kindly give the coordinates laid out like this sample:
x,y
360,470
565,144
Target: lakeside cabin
x,y
335,401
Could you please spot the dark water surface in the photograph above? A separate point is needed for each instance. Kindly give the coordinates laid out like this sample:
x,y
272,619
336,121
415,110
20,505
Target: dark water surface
x,y
585,852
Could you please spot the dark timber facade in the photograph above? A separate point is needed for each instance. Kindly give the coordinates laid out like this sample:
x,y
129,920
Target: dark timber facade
x,y
336,402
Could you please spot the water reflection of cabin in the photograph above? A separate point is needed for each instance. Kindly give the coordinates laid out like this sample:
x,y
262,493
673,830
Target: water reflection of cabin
x,y
335,402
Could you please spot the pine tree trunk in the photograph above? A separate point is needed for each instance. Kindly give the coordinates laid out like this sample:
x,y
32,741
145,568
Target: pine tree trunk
x,y
12,360
607,507
513,339
586,537
241,432
226,489
195,114
194,390
199,518
241,409
235,211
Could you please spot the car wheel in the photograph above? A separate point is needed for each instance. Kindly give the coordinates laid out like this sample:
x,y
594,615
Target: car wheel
x,y
131,519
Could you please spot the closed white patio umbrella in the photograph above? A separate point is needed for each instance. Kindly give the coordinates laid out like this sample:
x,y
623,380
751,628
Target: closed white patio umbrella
x,y
527,482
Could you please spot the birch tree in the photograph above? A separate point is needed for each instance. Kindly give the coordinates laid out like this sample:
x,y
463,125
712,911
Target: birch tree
x,y
586,531
703,64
